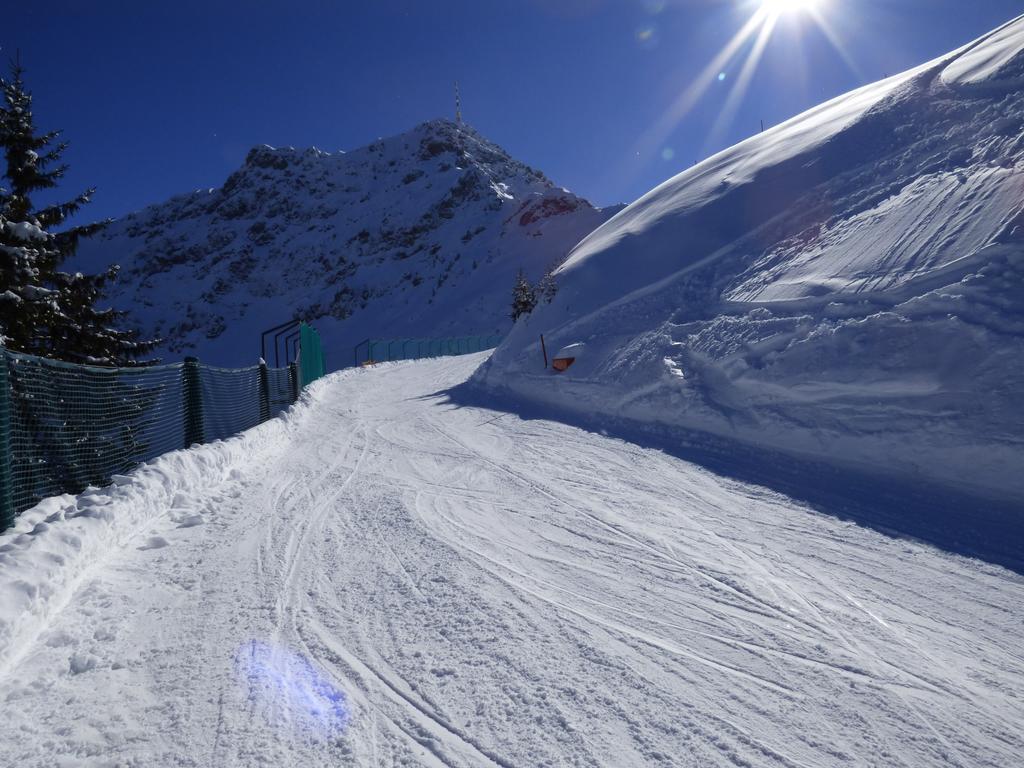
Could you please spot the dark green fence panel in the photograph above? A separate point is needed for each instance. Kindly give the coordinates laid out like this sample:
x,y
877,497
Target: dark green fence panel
x,y
195,428
311,355
72,426
64,427
7,509
231,400
280,390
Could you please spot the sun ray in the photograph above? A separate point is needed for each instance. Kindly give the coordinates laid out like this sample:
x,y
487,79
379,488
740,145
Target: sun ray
x,y
653,138
833,37
760,26
739,89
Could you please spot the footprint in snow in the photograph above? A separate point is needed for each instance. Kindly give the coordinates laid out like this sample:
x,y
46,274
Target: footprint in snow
x,y
81,662
155,542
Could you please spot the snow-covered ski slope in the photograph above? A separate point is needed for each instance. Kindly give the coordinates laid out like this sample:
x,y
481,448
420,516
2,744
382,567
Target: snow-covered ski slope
x,y
390,576
847,284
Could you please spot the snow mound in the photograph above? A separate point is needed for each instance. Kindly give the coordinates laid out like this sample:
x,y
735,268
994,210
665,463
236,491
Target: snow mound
x,y
845,285
997,62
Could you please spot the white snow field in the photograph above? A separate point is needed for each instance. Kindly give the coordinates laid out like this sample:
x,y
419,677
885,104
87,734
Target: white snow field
x,y
847,284
385,576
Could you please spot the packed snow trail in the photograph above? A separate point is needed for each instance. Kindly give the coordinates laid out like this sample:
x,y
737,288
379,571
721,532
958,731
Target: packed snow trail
x,y
385,578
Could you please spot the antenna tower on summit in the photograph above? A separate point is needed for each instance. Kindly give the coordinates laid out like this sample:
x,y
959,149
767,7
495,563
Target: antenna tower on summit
x,y
458,104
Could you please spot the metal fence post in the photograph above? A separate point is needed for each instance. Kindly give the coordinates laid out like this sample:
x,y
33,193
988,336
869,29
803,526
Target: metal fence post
x,y
194,432
293,375
264,392
6,427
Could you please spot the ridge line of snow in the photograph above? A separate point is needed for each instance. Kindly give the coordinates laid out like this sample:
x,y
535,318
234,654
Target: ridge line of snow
x,y
915,286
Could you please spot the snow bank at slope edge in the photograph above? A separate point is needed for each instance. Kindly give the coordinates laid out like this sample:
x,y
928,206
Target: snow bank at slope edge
x,y
54,545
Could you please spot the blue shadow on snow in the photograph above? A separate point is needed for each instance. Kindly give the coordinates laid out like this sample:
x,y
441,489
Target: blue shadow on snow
x,y
956,522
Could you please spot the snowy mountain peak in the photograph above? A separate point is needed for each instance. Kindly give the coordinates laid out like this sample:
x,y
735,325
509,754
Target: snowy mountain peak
x,y
416,234
266,156
437,143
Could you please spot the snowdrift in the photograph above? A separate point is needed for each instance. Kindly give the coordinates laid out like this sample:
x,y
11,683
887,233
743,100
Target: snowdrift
x,y
54,546
847,285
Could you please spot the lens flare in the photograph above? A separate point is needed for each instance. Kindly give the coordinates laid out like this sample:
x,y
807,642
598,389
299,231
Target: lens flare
x,y
290,691
742,84
647,36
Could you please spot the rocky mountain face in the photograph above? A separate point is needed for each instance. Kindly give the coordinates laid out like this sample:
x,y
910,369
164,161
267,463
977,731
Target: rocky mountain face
x,y
418,235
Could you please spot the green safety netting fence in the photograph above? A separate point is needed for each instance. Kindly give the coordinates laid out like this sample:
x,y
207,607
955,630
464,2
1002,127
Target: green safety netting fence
x,y
311,354
384,350
64,427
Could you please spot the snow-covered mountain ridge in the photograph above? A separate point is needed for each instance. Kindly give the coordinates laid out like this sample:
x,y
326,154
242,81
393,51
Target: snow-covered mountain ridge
x,y
847,285
419,234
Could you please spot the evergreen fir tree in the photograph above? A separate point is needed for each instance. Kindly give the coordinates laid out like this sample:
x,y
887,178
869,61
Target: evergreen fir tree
x,y
524,297
548,287
43,310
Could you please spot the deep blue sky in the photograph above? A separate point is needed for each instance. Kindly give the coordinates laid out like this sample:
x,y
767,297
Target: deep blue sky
x,y
159,98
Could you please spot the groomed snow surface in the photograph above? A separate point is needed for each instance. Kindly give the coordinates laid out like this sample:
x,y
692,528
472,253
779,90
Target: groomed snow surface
x,y
389,576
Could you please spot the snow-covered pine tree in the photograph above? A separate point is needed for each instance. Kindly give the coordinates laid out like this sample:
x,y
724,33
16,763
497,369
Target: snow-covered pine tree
x,y
548,286
524,297
43,310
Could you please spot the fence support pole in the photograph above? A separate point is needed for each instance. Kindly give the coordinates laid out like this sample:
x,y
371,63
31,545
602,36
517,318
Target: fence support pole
x,y
293,376
264,392
194,431
6,427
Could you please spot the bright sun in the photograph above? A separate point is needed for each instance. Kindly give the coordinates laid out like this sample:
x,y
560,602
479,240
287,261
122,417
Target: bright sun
x,y
782,7
734,67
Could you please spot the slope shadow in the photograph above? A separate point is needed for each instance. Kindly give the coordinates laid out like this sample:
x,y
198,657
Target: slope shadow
x,y
956,522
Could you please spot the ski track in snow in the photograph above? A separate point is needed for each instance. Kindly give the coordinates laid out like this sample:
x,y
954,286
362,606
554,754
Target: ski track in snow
x,y
400,581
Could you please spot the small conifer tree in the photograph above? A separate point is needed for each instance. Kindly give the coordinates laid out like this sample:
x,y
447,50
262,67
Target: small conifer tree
x,y
43,310
524,297
548,286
